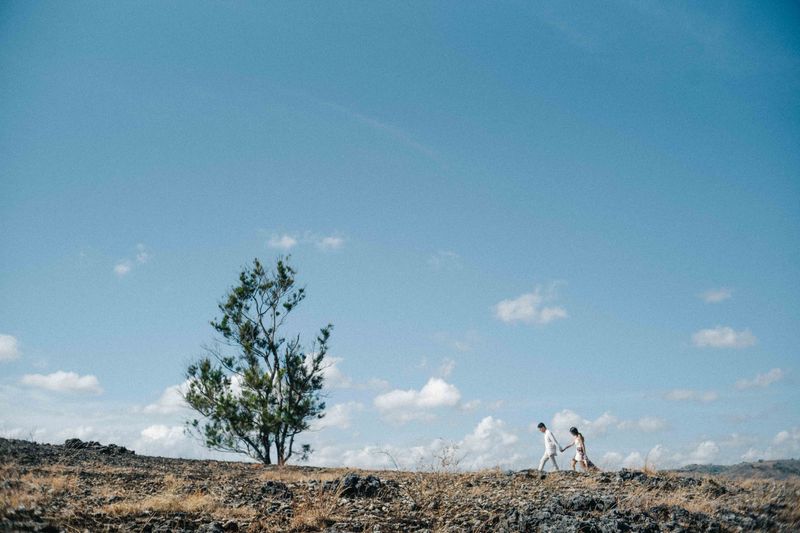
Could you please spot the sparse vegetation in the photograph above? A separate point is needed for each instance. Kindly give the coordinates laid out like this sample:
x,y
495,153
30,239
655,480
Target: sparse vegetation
x,y
89,490
259,389
28,488
173,498
317,511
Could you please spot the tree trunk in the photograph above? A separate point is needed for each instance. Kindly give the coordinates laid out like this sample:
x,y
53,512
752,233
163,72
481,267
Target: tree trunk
x,y
280,445
281,458
266,444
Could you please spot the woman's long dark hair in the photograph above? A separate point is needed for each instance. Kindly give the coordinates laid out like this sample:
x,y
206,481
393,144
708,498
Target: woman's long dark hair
x,y
575,432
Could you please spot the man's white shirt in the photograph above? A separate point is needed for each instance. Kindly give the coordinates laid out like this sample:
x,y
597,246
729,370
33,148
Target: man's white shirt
x,y
550,443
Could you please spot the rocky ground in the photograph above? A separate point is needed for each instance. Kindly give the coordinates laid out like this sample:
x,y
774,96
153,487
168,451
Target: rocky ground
x,y
89,487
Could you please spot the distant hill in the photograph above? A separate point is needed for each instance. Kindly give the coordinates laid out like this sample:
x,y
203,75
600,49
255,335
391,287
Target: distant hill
x,y
780,469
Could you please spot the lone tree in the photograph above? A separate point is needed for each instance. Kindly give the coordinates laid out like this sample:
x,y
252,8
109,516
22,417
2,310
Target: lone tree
x,y
268,390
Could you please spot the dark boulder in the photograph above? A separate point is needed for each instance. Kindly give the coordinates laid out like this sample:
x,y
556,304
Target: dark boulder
x,y
276,489
354,486
631,475
589,502
110,449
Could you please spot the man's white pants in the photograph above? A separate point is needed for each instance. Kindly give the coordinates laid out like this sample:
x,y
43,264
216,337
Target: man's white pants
x,y
547,455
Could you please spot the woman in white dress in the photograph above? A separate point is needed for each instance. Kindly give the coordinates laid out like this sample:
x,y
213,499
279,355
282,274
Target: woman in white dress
x,y
580,451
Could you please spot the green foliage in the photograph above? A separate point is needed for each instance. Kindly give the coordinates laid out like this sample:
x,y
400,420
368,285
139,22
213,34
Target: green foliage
x,y
269,389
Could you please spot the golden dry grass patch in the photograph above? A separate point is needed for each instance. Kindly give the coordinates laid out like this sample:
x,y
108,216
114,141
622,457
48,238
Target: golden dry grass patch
x,y
319,510
645,498
170,503
33,487
296,475
174,497
171,498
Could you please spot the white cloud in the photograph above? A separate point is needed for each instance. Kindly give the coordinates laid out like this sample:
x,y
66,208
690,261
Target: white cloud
x,y
659,457
80,432
704,453
786,443
471,405
172,441
753,454
489,444
611,460
51,418
22,433
125,266
376,384
337,416
713,296
633,460
647,424
567,418
282,242
656,456
371,457
335,378
761,380
142,255
122,268
287,241
723,337
790,437
737,440
404,405
63,382
392,131
447,367
162,432
171,400
462,343
462,346
530,308
683,395
445,259
9,347
331,243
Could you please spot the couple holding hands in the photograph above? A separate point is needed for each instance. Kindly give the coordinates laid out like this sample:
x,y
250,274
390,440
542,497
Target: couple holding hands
x,y
551,446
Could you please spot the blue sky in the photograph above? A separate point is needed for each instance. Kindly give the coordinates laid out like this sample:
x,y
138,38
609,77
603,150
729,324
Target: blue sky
x,y
511,212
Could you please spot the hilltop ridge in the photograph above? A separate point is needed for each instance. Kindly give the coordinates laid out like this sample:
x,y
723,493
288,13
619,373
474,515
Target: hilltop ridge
x,y
89,486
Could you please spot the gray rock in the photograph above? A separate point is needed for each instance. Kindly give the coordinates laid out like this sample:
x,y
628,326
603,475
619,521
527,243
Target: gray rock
x,y
213,527
276,489
353,486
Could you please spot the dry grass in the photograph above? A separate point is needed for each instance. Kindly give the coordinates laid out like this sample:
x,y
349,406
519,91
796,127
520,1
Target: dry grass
x,y
437,496
167,503
740,495
646,498
301,475
32,488
436,486
763,492
318,511
172,498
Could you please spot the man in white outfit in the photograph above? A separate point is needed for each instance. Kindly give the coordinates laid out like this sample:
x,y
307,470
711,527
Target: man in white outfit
x,y
550,447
